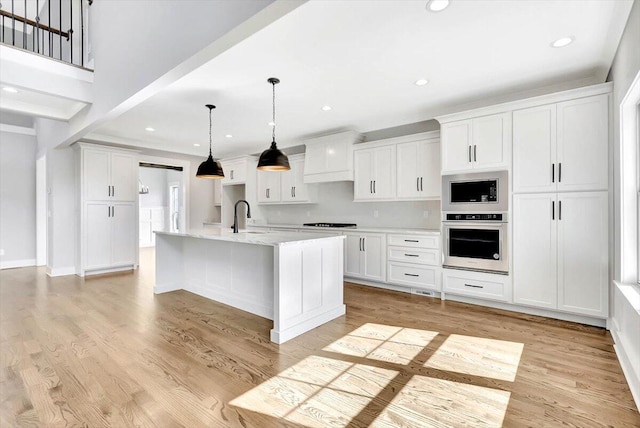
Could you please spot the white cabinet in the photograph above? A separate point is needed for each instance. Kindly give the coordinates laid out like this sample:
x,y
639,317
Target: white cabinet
x,y
481,143
107,176
418,170
268,186
375,173
107,198
285,187
330,158
562,146
414,261
479,285
235,170
217,192
560,251
365,256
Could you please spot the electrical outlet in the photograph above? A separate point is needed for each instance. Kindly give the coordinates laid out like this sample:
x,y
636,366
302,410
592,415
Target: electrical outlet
x,y
1,252
376,214
425,214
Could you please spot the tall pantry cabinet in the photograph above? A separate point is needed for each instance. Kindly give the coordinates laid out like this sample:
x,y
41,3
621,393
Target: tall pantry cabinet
x,y
560,205
107,203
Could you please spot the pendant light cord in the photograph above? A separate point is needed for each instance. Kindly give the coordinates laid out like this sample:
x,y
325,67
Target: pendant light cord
x,y
210,153
273,131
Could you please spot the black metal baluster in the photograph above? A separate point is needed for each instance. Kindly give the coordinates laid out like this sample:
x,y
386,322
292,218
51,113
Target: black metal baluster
x,y
38,23
24,27
13,24
60,27
50,34
3,27
82,33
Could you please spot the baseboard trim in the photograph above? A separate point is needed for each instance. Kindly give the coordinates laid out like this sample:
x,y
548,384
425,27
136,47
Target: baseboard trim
x,y
633,379
64,271
11,264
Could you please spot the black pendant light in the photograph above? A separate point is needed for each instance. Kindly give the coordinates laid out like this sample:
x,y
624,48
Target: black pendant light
x,y
210,168
273,159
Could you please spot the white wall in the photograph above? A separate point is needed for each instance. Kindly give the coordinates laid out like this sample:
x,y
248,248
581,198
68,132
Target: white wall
x,y
335,204
156,180
201,191
17,199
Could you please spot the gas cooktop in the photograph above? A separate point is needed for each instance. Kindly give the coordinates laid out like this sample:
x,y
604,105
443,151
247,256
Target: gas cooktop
x,y
352,225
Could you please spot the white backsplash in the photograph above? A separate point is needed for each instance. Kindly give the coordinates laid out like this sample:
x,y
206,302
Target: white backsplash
x,y
335,204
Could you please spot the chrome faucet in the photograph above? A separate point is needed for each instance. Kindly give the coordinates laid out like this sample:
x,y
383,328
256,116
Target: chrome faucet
x,y
235,214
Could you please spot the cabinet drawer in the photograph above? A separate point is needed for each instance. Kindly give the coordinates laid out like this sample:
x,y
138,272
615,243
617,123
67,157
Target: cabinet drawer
x,y
476,284
415,276
415,241
414,255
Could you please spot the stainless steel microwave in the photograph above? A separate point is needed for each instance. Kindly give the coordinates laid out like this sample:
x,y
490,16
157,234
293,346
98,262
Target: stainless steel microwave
x,y
476,192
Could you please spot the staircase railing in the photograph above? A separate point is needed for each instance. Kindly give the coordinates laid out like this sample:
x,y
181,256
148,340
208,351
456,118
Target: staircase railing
x,y
53,28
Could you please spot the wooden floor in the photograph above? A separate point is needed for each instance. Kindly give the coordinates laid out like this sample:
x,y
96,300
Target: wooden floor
x,y
107,352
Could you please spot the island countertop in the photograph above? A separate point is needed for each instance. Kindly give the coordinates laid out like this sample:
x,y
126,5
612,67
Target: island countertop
x,y
272,238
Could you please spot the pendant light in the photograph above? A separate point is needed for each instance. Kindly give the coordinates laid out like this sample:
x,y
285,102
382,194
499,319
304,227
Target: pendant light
x,y
210,168
273,159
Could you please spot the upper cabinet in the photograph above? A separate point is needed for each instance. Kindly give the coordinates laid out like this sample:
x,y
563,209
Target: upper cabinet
x,y
400,168
375,173
330,158
235,170
108,175
286,187
480,143
562,146
418,169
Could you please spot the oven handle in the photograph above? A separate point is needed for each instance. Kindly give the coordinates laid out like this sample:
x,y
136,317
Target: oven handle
x,y
483,225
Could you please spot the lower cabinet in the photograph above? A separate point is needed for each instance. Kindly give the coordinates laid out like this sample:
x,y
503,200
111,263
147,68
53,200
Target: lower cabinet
x,y
110,239
365,256
480,285
560,251
414,261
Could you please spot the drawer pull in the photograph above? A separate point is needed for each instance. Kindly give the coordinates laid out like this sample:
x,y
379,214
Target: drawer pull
x,y
411,255
411,240
473,286
411,274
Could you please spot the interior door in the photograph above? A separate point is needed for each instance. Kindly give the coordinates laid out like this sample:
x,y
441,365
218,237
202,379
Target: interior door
x,y
583,265
535,250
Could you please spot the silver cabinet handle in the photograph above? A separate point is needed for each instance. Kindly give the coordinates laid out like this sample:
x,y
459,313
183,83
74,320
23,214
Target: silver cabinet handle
x,y
560,172
559,210
421,188
553,172
108,211
411,255
411,240
294,191
363,245
473,286
113,190
109,190
475,153
411,274
113,211
553,210
469,154
418,184
371,186
374,186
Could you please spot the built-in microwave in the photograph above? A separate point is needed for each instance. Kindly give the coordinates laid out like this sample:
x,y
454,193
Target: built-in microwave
x,y
476,192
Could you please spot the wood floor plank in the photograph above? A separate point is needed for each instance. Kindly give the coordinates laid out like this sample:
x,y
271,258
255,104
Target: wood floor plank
x,y
105,351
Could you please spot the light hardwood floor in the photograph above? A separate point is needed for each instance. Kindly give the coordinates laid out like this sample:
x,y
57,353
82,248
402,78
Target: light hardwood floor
x,y
105,351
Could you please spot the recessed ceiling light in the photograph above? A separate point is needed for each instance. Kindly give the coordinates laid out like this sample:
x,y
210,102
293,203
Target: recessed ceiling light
x,y
421,82
10,90
149,129
272,124
437,5
229,136
326,108
196,145
562,42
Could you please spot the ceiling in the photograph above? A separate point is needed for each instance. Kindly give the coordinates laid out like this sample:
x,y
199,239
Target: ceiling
x,y
362,59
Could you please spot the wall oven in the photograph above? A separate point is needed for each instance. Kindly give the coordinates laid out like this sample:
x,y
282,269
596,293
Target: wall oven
x,y
475,192
476,242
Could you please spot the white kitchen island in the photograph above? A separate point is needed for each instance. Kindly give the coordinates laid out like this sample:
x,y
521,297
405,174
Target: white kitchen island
x,y
292,278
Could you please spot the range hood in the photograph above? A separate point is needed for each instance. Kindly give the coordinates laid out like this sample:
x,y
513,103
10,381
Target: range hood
x,y
330,157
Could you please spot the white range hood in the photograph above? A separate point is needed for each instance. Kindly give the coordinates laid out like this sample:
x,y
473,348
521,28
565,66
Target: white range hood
x,y
330,157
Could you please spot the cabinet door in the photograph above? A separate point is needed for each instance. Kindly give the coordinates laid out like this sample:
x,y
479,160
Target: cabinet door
x,y
287,183
268,186
300,190
98,235
363,183
583,141
534,149
583,266
353,255
491,140
123,221
95,173
235,172
535,250
374,257
217,192
408,169
456,144
124,177
384,172
430,177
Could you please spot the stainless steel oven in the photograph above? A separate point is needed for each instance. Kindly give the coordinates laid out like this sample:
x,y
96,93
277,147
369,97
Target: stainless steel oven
x,y
476,241
476,192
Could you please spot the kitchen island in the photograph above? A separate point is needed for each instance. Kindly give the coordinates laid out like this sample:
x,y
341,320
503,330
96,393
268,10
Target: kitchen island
x,y
292,278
